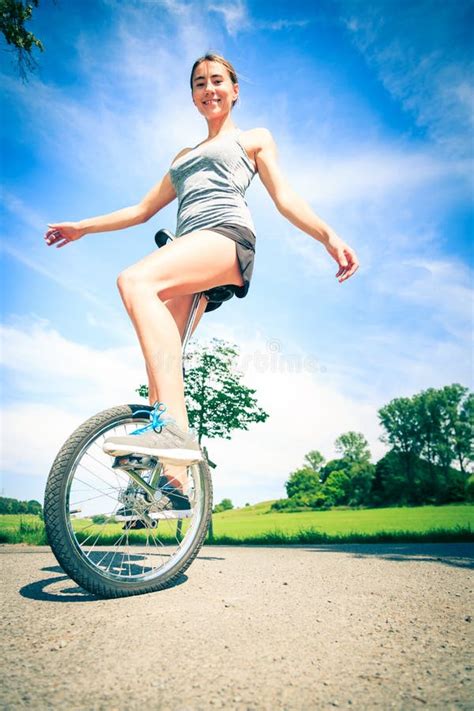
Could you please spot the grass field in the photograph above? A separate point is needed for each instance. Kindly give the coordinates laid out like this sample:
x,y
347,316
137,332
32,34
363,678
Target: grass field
x,y
258,519
259,525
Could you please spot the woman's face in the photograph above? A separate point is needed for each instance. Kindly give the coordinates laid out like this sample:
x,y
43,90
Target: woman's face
x,y
213,90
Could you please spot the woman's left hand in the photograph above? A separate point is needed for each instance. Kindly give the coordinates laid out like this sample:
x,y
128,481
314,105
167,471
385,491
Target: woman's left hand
x,y
344,256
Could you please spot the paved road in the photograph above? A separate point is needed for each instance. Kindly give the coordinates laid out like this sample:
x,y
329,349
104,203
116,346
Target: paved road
x,y
254,628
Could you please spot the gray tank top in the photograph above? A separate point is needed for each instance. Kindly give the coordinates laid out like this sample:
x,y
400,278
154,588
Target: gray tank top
x,y
210,182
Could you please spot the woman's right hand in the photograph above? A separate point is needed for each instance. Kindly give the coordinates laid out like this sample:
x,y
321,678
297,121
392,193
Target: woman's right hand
x,y
61,233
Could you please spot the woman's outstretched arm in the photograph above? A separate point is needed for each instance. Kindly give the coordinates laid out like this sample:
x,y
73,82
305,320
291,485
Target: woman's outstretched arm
x,y
297,210
61,233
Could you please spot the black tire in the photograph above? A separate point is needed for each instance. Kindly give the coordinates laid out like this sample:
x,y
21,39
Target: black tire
x,y
58,518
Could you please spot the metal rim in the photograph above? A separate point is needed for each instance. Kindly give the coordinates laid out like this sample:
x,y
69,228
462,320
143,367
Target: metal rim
x,y
124,556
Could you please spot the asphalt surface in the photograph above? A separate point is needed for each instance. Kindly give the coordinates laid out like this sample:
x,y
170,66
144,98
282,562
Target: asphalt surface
x,y
251,628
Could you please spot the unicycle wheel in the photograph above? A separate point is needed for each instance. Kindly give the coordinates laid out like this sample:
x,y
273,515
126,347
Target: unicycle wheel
x,y
110,531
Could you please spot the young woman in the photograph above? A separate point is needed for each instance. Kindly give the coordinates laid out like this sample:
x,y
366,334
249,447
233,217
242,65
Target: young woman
x,y
216,246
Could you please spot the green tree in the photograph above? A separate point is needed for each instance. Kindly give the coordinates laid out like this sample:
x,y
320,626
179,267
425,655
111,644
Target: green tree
x,y
13,15
14,506
362,476
331,466
389,487
225,505
346,480
337,487
464,435
402,432
34,507
307,478
7,505
354,447
431,430
428,411
217,400
302,481
456,406
390,484
314,460
356,465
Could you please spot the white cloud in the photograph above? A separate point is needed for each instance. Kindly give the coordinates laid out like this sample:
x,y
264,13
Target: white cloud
x,y
59,383
237,19
368,174
443,286
423,57
234,15
45,366
35,434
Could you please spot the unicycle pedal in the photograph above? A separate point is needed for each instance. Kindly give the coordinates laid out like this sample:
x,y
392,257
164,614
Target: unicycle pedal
x,y
140,462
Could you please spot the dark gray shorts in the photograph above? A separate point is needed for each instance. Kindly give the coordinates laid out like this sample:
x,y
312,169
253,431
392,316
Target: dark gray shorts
x,y
245,245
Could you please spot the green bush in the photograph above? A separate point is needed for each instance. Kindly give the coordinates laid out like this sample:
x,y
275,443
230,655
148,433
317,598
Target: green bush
x,y
225,505
14,506
102,518
282,504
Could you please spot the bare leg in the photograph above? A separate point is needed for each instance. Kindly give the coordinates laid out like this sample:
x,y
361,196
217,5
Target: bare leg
x,y
179,307
193,263
161,346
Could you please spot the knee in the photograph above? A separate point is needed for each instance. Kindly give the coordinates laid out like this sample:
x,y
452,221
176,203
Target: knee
x,y
128,281
134,284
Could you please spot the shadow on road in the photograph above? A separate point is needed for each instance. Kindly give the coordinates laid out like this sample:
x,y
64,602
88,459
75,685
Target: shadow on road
x,y
457,555
70,593
73,593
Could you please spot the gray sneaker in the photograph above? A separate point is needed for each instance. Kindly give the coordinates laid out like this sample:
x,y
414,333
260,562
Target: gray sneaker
x,y
170,443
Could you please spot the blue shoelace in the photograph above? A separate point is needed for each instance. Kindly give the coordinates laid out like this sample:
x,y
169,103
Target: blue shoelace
x,y
156,419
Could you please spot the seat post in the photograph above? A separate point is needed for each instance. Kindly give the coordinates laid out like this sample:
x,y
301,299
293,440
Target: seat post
x,y
190,322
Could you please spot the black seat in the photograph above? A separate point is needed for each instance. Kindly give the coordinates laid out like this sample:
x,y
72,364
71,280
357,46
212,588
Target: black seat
x,y
214,296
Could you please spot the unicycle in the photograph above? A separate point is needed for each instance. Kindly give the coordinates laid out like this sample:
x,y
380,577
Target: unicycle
x,y
104,551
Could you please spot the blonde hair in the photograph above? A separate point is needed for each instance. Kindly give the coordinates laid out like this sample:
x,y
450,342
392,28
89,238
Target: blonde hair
x,y
211,57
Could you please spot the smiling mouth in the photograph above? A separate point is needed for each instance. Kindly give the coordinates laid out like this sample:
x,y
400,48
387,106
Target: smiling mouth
x,y
211,101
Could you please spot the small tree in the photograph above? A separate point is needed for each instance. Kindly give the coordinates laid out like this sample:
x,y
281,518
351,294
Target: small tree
x,y
34,507
354,447
356,467
337,487
217,400
225,505
302,481
314,460
402,427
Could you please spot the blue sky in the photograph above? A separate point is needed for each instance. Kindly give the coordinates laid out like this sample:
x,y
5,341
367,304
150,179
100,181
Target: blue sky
x,y
371,108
